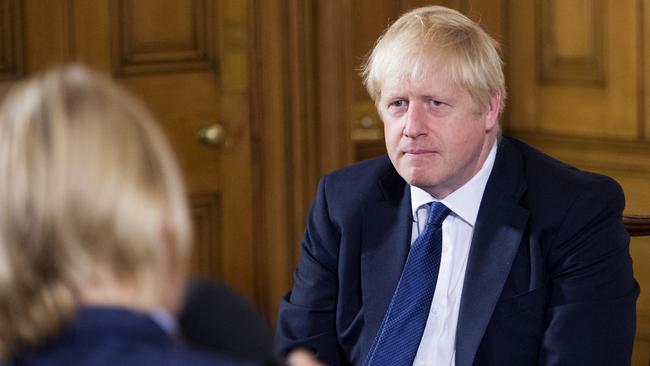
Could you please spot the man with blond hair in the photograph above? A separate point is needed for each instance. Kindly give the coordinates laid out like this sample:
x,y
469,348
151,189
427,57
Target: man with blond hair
x,y
461,247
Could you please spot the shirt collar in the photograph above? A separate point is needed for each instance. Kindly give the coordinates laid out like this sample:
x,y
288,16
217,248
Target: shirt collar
x,y
165,320
466,200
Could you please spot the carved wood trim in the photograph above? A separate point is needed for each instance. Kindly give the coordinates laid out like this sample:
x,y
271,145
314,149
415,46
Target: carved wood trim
x,y
11,40
642,79
637,225
555,68
130,57
631,158
69,29
208,244
286,137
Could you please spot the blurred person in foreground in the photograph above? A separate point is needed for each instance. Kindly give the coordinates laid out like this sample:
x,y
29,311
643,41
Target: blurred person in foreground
x,y
94,229
460,247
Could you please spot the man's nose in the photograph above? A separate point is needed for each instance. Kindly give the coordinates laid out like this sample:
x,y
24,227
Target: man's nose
x,y
415,124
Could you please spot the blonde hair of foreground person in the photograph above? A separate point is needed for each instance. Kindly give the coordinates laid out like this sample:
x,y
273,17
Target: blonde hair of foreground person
x,y
92,206
408,48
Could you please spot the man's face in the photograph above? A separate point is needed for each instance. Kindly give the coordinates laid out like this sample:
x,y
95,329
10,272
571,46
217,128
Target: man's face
x,y
437,137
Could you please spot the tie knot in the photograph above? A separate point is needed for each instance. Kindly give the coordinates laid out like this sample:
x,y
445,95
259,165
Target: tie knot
x,y
437,213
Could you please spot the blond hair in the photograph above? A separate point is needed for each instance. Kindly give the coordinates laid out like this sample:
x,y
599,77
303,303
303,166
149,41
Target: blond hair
x,y
411,43
87,181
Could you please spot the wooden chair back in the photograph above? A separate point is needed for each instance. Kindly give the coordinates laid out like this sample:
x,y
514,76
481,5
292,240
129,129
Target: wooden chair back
x,y
637,225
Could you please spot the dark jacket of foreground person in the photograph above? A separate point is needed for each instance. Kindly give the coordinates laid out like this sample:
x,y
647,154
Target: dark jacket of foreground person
x,y
115,336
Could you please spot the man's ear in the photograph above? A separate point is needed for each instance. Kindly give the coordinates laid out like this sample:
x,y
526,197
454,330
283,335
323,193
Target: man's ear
x,y
492,113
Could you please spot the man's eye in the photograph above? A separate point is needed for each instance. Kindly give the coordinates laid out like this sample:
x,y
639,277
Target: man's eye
x,y
398,103
436,103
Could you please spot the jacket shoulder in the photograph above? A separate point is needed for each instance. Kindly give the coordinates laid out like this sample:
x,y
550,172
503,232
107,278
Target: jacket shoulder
x,y
544,172
371,169
554,187
367,181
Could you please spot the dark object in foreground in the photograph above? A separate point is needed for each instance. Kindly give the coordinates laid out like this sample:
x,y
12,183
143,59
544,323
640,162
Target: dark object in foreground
x,y
215,318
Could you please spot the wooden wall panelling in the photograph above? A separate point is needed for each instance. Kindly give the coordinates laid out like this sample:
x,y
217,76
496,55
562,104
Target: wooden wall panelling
x,y
208,222
460,5
334,88
267,117
286,139
69,29
371,18
304,78
232,76
11,40
644,81
367,21
269,143
616,157
584,90
91,31
33,36
49,34
521,77
309,135
575,58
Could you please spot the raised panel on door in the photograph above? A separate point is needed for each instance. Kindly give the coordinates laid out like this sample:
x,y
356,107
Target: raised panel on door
x,y
575,70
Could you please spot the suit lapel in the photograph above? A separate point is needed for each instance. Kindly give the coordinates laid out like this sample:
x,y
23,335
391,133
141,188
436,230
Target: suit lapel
x,y
385,240
497,234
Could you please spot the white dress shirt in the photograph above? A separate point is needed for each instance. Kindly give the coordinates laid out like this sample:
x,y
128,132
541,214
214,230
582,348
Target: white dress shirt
x,y
437,346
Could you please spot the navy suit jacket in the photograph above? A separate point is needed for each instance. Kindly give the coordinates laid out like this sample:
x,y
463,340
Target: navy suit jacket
x,y
548,281
112,336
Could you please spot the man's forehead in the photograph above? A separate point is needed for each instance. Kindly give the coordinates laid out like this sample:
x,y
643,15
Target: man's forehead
x,y
423,76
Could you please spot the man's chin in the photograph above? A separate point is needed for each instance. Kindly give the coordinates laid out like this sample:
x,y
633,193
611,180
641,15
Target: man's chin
x,y
418,174
421,182
431,185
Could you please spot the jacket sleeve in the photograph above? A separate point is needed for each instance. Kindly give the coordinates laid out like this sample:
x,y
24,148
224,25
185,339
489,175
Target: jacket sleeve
x,y
590,317
307,312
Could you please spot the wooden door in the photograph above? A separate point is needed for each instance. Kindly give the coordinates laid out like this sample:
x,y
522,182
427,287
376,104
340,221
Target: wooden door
x,y
188,61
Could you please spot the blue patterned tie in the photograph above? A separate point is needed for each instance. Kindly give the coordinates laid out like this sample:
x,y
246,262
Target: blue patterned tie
x,y
398,338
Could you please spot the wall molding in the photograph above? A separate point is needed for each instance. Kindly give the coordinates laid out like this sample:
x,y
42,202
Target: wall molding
x,y
284,139
628,157
295,141
208,248
12,47
553,67
69,29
